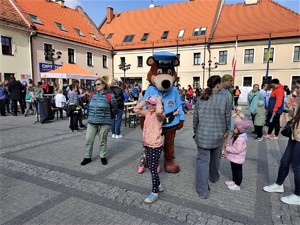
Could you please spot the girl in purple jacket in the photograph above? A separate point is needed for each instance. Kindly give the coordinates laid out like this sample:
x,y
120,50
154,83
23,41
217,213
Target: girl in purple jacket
x,y
236,154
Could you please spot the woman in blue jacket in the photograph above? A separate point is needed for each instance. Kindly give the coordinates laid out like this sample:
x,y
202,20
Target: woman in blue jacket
x,y
3,97
101,106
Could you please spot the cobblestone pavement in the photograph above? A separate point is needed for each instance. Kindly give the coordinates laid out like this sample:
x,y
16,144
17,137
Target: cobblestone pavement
x,y
42,181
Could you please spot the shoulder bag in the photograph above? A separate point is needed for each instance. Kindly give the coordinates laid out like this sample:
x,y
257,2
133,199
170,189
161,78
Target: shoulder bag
x,y
287,130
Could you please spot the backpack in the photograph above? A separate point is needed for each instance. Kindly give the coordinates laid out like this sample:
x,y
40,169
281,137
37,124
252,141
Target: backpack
x,y
113,111
237,92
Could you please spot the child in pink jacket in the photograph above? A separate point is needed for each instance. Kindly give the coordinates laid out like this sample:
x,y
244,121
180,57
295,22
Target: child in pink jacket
x,y
236,154
152,139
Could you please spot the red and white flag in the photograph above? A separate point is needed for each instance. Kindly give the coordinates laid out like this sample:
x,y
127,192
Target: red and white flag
x,y
234,59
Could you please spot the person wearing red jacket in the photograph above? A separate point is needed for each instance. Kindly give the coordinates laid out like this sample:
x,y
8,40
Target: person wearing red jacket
x,y
275,109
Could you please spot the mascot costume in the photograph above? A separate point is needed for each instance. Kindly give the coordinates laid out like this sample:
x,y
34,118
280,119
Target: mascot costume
x,y
162,76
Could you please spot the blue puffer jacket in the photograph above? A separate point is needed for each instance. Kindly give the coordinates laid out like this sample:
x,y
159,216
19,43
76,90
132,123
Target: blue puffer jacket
x,y
99,108
3,93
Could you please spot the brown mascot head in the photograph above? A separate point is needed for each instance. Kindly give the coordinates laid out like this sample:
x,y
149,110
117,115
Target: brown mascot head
x,y
162,74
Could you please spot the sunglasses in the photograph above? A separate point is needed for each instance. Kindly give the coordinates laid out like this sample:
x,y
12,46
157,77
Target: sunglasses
x,y
98,84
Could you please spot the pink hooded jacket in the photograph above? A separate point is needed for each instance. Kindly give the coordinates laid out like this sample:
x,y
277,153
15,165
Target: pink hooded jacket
x,y
236,152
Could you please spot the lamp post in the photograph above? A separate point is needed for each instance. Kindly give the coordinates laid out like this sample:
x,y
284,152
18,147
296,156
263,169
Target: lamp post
x,y
49,55
123,66
209,62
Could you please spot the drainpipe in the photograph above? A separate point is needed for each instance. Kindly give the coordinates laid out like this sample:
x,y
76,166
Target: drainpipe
x,y
32,34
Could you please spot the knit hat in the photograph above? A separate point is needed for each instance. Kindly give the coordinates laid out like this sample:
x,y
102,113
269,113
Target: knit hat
x,y
227,77
115,82
242,126
260,103
275,81
152,100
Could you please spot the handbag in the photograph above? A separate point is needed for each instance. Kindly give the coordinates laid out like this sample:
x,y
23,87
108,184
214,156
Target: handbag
x,y
287,130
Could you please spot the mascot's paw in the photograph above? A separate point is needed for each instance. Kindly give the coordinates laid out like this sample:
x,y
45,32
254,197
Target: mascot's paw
x,y
171,167
180,125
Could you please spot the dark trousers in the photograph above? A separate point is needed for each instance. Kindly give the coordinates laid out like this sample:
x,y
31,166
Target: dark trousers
x,y
74,121
7,104
274,124
291,156
116,122
236,101
259,131
79,118
253,117
237,173
153,155
15,106
2,107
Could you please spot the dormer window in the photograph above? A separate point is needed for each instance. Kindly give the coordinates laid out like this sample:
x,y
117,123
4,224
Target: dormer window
x,y
181,33
199,31
109,36
165,35
128,38
79,32
145,36
35,19
94,37
60,26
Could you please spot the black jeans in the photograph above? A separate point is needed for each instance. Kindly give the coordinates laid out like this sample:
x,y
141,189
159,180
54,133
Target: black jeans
x,y
2,107
15,106
74,121
236,98
274,124
259,131
237,173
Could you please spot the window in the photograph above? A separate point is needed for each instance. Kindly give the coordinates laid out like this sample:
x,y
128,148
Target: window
x,y
71,55
199,31
223,57
48,52
197,57
78,31
89,58
294,79
109,36
165,35
122,59
196,82
60,26
140,61
296,53
104,61
181,33
128,38
6,45
94,37
249,56
35,19
247,81
145,36
271,54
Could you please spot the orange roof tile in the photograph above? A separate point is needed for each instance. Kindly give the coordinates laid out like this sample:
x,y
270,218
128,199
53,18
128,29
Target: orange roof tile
x,y
50,12
256,21
11,15
186,15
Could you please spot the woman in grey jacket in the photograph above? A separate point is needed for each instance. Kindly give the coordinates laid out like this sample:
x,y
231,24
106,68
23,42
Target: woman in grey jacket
x,y
99,120
210,119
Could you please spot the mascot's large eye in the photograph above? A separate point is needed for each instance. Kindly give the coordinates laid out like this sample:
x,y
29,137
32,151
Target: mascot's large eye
x,y
169,71
159,71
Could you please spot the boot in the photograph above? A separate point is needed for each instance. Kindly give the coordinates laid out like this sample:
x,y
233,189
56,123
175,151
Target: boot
x,y
171,167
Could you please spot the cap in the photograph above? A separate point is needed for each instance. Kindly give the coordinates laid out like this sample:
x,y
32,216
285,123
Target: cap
x,y
242,126
260,102
227,77
152,100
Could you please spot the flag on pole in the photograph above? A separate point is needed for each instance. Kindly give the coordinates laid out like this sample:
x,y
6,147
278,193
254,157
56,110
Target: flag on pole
x,y
234,59
268,56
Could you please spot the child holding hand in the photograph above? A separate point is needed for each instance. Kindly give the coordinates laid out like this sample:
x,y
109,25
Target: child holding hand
x,y
236,154
152,139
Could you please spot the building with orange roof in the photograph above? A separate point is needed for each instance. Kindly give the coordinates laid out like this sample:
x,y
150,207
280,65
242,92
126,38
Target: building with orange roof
x,y
204,32
15,32
64,35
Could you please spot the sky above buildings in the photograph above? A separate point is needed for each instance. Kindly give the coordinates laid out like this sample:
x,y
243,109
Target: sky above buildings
x,y
96,9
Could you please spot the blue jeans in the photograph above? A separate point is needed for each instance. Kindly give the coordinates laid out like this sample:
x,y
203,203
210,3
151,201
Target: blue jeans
x,y
290,156
116,123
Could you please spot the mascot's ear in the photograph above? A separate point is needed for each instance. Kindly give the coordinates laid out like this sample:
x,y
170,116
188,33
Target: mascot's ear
x,y
175,61
150,61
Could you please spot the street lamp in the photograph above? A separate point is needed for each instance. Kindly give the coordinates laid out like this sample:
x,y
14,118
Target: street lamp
x,y
123,66
209,66
49,55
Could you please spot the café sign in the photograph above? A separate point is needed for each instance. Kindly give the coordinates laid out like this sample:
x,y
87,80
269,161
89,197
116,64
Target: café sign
x,y
46,67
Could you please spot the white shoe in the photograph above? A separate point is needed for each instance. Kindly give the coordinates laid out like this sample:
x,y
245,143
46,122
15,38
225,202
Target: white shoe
x,y
229,183
274,188
119,136
160,188
113,136
234,187
291,199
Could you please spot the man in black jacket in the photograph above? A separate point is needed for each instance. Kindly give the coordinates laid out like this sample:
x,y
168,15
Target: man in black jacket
x,y
15,89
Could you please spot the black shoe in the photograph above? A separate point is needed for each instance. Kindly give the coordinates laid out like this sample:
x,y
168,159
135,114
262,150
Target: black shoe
x,y
82,126
104,161
86,161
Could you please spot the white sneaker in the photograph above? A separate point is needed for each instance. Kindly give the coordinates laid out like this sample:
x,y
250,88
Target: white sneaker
x,y
291,199
274,188
119,136
113,136
160,188
234,187
229,183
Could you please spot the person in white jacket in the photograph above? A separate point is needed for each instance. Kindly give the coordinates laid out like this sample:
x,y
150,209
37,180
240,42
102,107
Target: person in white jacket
x,y
60,101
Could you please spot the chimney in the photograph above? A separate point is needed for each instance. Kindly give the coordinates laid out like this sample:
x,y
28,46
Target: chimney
x,y
61,2
109,14
250,2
